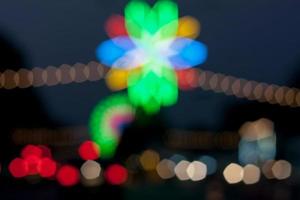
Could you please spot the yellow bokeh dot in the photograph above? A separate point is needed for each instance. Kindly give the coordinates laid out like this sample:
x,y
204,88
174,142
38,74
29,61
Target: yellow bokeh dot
x,y
116,79
149,160
188,27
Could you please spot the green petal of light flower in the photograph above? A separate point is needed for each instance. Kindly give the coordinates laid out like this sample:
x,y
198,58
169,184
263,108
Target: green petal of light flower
x,y
162,19
135,17
150,89
167,12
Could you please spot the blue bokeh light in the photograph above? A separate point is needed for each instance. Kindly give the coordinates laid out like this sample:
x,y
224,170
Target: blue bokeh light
x,y
110,51
189,53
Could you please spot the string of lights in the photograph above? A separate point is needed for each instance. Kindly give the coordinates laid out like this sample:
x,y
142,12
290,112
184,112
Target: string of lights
x,y
52,76
207,80
252,90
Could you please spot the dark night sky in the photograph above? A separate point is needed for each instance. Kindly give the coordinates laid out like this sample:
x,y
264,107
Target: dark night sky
x,y
257,40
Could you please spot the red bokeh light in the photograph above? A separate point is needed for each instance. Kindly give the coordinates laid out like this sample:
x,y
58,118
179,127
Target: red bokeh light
x,y
32,162
116,174
31,150
89,150
187,79
68,176
115,26
18,168
47,168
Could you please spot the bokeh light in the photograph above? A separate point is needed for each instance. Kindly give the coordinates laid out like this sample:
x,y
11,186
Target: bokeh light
x,y
282,169
89,150
18,168
32,162
149,160
25,78
115,26
247,90
233,173
191,53
151,89
165,169
116,174
50,76
181,170
163,19
188,27
47,167
213,82
279,94
187,79
251,174
211,164
225,84
90,170
290,97
31,150
116,79
267,169
197,171
258,91
269,93
80,73
68,176
9,81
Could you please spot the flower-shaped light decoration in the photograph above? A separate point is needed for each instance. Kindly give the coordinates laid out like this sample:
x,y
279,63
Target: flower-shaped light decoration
x,y
157,43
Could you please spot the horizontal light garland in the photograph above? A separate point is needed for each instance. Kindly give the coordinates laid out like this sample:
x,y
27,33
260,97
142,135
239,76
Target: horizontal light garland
x,y
252,90
52,76
207,80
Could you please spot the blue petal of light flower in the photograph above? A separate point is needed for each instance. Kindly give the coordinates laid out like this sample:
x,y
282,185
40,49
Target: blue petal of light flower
x,y
111,50
189,53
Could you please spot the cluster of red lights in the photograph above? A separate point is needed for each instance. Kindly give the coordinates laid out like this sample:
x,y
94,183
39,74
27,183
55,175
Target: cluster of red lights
x,y
38,160
34,160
